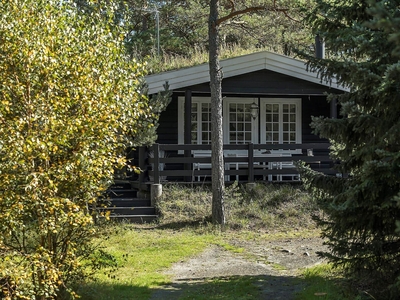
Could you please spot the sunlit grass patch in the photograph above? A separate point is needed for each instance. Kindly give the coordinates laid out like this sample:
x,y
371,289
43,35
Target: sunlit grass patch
x,y
324,282
142,254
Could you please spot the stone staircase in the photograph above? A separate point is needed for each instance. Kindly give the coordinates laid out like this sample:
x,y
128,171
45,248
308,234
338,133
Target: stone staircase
x,y
123,203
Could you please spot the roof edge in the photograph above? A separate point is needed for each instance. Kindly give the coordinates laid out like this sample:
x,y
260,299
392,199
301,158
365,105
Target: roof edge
x,y
238,66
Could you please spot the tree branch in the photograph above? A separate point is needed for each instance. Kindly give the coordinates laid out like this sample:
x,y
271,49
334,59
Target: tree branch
x,y
235,13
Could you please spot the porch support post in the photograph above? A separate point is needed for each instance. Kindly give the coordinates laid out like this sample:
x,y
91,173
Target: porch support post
x,y
188,129
155,193
250,155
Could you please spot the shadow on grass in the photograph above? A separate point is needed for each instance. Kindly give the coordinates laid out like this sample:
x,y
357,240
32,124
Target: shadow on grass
x,y
234,287
103,291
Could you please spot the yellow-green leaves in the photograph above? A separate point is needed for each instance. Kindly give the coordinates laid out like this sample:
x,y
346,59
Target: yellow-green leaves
x,y
68,103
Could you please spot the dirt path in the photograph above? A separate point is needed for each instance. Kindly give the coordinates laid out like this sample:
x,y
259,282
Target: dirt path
x,y
274,265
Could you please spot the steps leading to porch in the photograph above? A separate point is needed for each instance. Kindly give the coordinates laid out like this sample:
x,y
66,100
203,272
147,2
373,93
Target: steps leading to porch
x,y
123,203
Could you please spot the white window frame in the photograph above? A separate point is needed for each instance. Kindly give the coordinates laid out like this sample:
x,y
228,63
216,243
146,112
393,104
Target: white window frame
x,y
181,117
280,102
254,123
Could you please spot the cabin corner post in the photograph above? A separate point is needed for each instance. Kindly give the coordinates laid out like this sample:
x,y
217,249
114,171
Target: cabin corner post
x,y
250,155
187,130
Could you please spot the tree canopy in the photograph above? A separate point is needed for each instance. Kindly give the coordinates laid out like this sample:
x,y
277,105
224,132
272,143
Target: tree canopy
x,y
70,102
362,207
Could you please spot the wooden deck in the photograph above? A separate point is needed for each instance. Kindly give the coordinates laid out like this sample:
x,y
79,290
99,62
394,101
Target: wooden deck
x,y
244,163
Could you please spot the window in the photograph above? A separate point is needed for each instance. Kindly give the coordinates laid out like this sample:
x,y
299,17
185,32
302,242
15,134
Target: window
x,y
201,122
280,121
239,126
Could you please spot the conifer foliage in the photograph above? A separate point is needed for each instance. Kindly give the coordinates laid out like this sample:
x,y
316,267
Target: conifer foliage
x,y
362,44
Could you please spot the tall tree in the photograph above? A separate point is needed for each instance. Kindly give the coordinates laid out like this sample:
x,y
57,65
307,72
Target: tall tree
x,y
68,106
362,43
233,10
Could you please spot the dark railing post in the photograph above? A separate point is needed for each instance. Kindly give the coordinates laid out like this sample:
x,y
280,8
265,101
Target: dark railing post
x,y
250,155
156,170
188,130
142,164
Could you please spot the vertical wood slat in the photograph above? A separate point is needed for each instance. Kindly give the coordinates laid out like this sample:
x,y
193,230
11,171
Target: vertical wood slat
x,y
188,129
250,154
156,151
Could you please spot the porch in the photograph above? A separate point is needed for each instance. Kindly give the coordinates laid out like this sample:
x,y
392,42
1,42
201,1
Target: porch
x,y
242,162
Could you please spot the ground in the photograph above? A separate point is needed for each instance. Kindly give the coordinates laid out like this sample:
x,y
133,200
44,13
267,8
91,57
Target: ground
x,y
275,263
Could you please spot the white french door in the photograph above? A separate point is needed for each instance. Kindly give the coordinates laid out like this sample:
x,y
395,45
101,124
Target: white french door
x,y
239,126
280,121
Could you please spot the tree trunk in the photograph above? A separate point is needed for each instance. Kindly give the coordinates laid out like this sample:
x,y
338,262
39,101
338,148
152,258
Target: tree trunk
x,y
217,155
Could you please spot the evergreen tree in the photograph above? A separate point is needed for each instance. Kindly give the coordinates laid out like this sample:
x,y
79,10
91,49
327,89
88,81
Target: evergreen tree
x,y
362,43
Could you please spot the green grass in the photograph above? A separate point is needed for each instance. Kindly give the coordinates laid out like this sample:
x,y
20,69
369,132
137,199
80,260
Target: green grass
x,y
240,288
142,255
143,252
325,283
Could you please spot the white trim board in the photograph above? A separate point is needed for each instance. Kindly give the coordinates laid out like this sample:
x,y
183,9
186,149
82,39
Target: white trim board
x,y
263,60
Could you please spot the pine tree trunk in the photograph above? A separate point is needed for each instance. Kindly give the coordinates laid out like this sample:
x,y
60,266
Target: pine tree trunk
x,y
217,156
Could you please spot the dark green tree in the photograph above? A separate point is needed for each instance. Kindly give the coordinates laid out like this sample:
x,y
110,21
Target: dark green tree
x,y
361,208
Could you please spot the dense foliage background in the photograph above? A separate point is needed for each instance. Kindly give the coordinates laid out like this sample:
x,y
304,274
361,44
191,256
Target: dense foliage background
x,y
362,208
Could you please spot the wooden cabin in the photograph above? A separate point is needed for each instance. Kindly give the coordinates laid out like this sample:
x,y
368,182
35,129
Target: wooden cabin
x,y
268,102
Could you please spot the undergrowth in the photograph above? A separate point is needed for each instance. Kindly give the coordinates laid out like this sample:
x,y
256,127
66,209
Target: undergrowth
x,y
264,207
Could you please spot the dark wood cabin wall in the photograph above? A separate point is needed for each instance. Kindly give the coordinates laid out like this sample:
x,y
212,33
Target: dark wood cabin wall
x,y
265,82
313,106
168,128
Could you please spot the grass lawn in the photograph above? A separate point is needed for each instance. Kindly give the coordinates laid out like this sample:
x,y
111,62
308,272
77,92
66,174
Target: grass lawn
x,y
144,251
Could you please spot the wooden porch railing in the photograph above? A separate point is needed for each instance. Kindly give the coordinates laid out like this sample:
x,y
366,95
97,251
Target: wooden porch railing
x,y
178,162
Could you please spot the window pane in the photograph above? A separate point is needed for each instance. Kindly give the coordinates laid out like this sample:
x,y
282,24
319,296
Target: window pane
x,y
285,126
268,108
248,136
232,117
292,127
285,118
247,126
275,117
232,127
240,126
276,136
232,137
268,127
292,137
268,118
285,137
205,126
293,108
285,108
292,118
275,127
